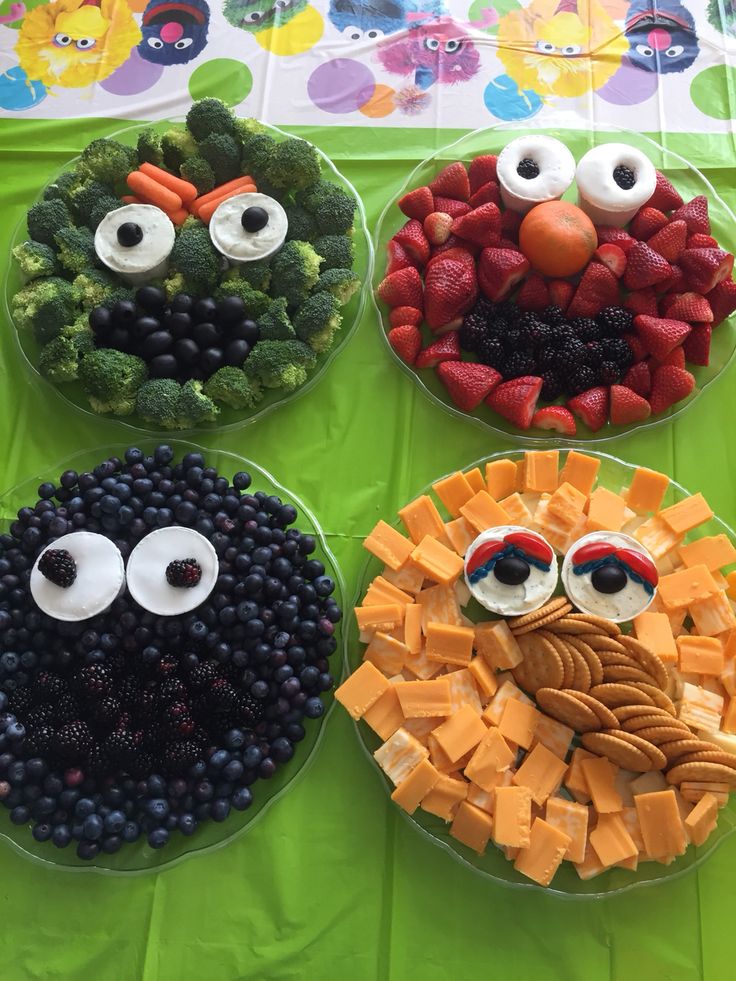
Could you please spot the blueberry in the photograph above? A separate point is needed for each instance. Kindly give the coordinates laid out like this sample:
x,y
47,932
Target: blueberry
x,y
242,799
158,838
313,708
220,810
84,807
42,832
93,827
114,822
219,759
187,824
112,844
15,731
88,850
131,831
61,836
241,480
235,739
20,814
266,768
281,749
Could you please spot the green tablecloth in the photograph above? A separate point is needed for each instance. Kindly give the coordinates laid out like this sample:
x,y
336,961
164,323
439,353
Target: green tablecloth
x,y
333,883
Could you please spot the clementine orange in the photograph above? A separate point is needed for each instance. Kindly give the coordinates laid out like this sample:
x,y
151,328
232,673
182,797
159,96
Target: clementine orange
x,y
557,238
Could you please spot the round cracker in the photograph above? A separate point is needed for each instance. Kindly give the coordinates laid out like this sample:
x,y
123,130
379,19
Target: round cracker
x,y
542,665
566,708
702,772
542,622
616,657
652,664
625,712
566,625
618,751
603,642
679,747
709,756
655,720
557,603
599,623
607,719
662,735
625,672
591,658
582,677
568,665
655,754
616,694
656,694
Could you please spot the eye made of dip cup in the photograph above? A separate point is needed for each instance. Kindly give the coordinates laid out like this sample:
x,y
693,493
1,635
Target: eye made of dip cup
x,y
248,227
135,242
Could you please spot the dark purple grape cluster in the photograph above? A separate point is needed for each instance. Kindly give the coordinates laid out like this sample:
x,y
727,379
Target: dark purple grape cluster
x,y
129,724
187,338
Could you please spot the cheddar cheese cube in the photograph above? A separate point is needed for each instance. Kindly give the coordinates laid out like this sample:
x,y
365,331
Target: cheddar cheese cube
x,y
611,841
512,817
492,756
463,691
424,699
518,723
409,578
413,628
700,709
600,776
540,475
501,478
482,512
461,733
437,561
646,491
449,644
581,471
385,715
648,783
453,491
439,605
655,632
495,708
388,545
443,799
574,779
687,514
547,847
472,827
484,799
713,615
388,654
421,519
398,756
702,819
520,469
714,551
695,790
516,509
630,817
591,866
381,592
460,535
475,478
421,667
572,819
541,772
729,716
700,655
553,734
495,642
661,825
605,510
728,676
422,727
364,687
414,788
567,502
688,586
485,678
383,616
657,537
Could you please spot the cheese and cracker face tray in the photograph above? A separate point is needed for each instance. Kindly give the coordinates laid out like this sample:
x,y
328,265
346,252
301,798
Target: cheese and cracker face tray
x,y
568,746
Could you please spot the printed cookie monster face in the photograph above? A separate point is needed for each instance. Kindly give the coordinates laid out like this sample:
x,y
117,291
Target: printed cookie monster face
x,y
262,15
174,33
357,19
661,35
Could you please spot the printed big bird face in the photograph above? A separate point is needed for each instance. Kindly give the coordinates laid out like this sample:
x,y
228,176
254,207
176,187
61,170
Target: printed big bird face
x,y
560,47
73,43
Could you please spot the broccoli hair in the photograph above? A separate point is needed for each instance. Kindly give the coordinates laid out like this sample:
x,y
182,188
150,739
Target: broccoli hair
x,y
256,274
341,283
274,324
280,364
60,187
45,306
256,156
94,286
222,153
336,251
294,163
35,259
108,161
90,201
149,147
45,218
195,257
158,402
80,334
309,197
333,210
76,248
177,145
247,128
295,270
111,379
59,360
173,284
197,171
256,302
210,116
194,406
302,226
233,387
317,321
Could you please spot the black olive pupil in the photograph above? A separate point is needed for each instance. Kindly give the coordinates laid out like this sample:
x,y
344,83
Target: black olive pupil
x,y
527,168
254,219
609,579
511,570
130,234
624,177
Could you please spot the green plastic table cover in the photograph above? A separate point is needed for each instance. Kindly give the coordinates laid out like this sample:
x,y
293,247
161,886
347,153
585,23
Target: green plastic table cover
x,y
332,882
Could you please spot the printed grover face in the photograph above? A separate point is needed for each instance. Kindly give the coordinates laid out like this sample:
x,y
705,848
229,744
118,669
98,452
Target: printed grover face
x,y
661,36
261,15
174,33
436,52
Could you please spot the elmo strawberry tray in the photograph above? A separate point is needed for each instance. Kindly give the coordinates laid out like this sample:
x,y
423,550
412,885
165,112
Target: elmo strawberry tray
x,y
565,284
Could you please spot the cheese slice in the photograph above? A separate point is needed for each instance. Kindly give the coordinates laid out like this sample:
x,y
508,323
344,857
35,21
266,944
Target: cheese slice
x,y
655,632
611,841
600,776
463,691
388,654
460,535
439,605
453,491
364,687
413,628
485,678
575,778
385,715
572,819
421,519
408,578
495,708
461,733
500,478
700,709
540,475
713,615
661,825
443,799
702,819
475,478
547,848
687,514
388,545
482,512
492,756
437,561
424,699
518,723
516,509
384,617
553,734
414,788
688,586
605,510
381,592
449,644
541,772
657,537
581,471
472,827
714,551
646,491
700,655
512,817
398,756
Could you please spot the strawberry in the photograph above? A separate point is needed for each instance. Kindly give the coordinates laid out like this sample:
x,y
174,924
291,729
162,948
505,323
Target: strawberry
x,y
697,344
452,182
676,281
597,289
481,225
705,268
411,237
499,270
417,203
665,196
437,227
722,300
608,235
660,335
534,294
639,352
447,348
555,417
482,170
687,306
489,192
405,315
510,224
670,240
561,293
613,257
646,222
700,241
516,400
643,301
449,207
645,267
450,290
675,357
468,383
639,379
695,215
591,406
669,385
627,407
398,258
507,243
455,248
406,341
401,289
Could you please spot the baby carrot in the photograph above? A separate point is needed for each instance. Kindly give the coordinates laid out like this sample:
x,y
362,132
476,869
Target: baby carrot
x,y
206,211
178,217
144,186
130,199
238,184
186,191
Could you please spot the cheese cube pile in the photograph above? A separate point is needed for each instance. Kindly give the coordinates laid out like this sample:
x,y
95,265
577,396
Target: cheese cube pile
x,y
463,742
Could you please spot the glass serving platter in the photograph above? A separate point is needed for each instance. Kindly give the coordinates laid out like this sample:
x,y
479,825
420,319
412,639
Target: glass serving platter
x,y
687,179
228,418
139,858
613,474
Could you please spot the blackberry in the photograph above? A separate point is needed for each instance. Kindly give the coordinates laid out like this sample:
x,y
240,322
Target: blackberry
x,y
95,680
98,761
560,333
540,334
40,740
221,695
491,352
74,741
547,357
520,363
203,674
176,716
617,350
41,715
50,686
529,320
106,712
248,710
624,177
513,339
580,378
551,387
614,321
171,690
608,373
178,756
527,168
21,702
122,747
183,573
585,329
146,708
509,312
141,766
66,709
128,691
595,354
473,330
553,315
58,566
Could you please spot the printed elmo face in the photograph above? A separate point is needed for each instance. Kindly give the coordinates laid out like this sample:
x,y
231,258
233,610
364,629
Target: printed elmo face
x,y
437,52
174,33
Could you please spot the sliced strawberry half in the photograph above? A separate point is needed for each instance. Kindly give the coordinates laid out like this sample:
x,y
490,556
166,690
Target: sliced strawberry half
x,y
406,341
608,235
645,267
402,289
691,307
638,351
398,258
639,379
660,335
412,239
555,417
437,227
643,301
510,224
446,348
627,407
516,400
455,248
417,203
499,270
482,169
561,293
676,282
452,182
694,214
597,289
665,197
467,383
450,290
591,407
646,222
613,257
670,240
451,207
534,293
700,241
405,315
697,344
481,225
669,386
705,268
722,301
489,192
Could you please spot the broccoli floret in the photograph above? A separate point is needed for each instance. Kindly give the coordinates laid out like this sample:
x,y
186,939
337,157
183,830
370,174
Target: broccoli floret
x,y
302,226
294,164
257,155
210,116
257,274
94,286
197,171
222,153
35,259
247,128
108,161
317,321
177,145
195,257
295,270
336,251
80,334
76,248
233,387
158,402
61,186
173,284
275,324
90,201
111,379
45,219
341,283
334,211
309,197
149,148
256,303
59,360
280,364
194,406
45,306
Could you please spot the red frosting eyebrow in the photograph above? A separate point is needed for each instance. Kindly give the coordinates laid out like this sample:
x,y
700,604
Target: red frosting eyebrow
x,y
533,546
593,551
482,554
639,564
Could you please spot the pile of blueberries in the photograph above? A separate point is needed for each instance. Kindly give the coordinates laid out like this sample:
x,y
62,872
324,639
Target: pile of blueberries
x,y
128,724
187,338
